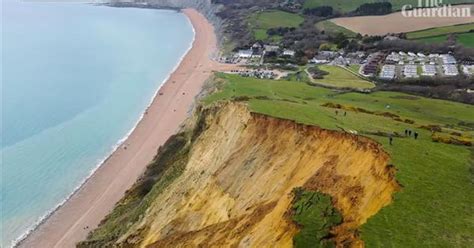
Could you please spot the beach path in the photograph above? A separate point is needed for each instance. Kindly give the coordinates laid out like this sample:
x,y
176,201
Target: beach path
x,y
96,198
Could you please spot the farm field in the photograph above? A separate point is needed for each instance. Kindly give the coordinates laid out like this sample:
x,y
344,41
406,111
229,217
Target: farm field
x,y
262,21
332,28
440,35
441,31
340,78
347,6
396,23
433,208
434,39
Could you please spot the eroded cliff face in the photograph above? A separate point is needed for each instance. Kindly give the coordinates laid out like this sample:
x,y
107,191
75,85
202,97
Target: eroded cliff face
x,y
236,186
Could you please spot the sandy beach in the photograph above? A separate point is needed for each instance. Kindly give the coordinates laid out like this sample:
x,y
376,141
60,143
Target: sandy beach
x,y
96,198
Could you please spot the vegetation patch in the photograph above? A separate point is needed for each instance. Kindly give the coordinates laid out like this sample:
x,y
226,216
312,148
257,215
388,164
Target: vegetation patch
x,y
314,214
451,139
261,22
168,165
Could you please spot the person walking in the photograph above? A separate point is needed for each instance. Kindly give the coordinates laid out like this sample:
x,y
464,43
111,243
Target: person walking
x,y
416,135
390,140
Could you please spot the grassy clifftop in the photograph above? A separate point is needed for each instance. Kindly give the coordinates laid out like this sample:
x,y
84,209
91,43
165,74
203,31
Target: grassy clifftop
x,y
434,207
231,177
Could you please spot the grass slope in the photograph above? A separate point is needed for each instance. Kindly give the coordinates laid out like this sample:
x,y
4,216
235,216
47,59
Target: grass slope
x,y
262,21
466,39
341,78
332,28
434,39
435,206
440,31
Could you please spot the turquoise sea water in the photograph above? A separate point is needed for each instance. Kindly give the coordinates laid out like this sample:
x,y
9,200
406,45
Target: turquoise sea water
x,y
76,79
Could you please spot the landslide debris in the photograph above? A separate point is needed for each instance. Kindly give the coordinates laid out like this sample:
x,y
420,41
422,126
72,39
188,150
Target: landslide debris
x,y
231,183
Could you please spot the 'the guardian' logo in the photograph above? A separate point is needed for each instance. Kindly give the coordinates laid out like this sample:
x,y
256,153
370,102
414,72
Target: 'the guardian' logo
x,y
435,8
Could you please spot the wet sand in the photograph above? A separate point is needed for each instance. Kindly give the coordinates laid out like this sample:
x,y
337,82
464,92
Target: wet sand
x,y
96,198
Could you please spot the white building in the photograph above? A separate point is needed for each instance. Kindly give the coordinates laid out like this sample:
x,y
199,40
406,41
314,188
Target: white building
x,y
429,70
450,70
448,59
287,52
468,70
393,57
410,71
387,72
245,53
270,48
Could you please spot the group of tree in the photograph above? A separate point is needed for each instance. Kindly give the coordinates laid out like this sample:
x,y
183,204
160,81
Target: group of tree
x,y
322,11
281,31
377,8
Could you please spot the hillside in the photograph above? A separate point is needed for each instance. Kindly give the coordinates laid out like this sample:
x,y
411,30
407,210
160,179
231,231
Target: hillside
x,y
238,177
233,176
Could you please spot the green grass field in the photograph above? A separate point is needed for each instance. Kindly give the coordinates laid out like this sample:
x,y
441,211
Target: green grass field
x,y
440,35
332,28
355,68
262,21
432,32
346,6
435,206
434,39
341,78
466,39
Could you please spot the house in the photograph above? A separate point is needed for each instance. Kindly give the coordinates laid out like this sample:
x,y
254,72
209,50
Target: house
x,y
393,58
341,61
448,59
287,52
468,70
429,70
391,38
245,53
387,72
410,71
315,60
450,70
270,48
369,69
327,55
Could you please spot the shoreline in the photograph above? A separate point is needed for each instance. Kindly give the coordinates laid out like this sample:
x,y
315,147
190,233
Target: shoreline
x,y
42,219
71,220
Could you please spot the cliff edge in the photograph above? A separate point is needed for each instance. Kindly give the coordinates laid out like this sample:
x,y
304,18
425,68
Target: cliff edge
x,y
234,184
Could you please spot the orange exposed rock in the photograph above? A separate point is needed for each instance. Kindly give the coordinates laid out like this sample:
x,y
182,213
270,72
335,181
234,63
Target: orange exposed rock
x,y
236,188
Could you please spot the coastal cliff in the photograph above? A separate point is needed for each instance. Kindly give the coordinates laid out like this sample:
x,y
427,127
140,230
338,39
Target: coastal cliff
x,y
205,7
229,179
